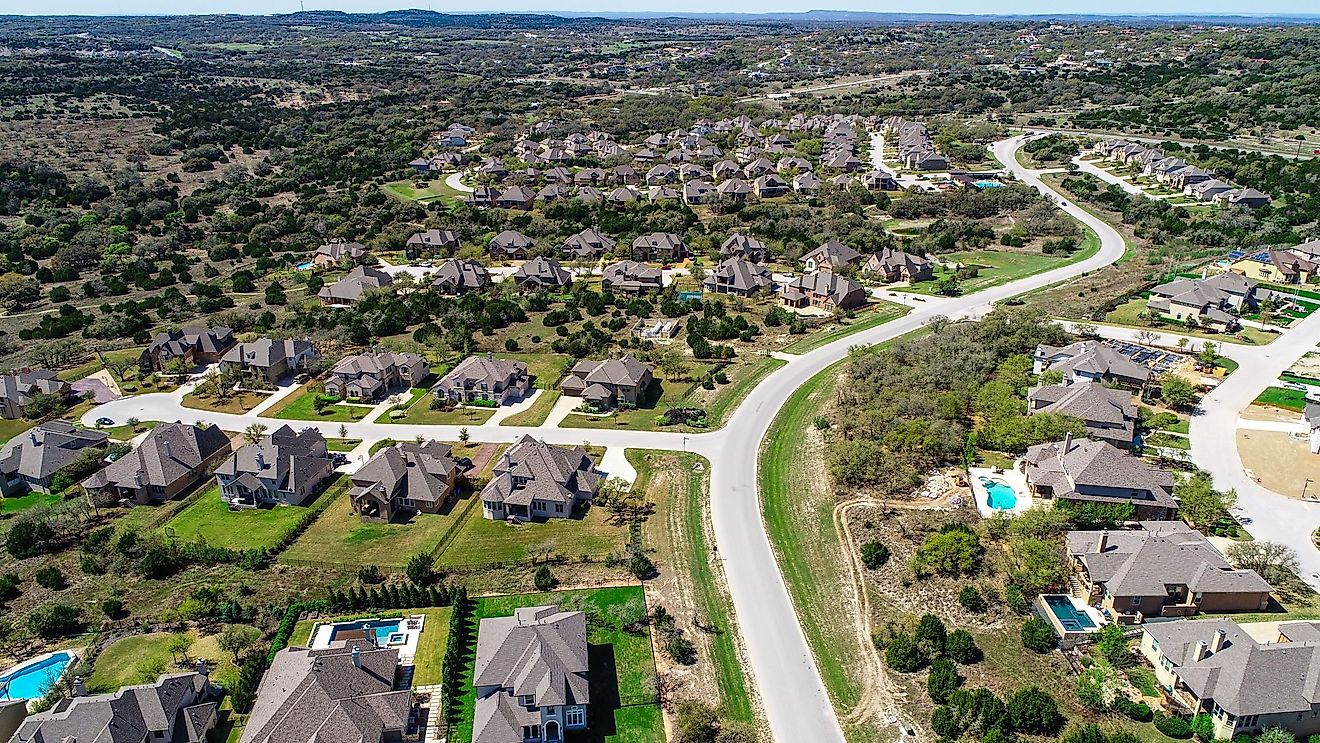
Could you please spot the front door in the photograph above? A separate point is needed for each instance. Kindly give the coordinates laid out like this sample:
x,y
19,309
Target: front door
x,y
552,731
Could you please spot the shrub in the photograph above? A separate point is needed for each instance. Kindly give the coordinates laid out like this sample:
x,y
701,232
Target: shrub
x,y
53,621
930,635
971,599
1085,734
954,550
942,681
1015,599
421,569
9,585
1033,711
1276,735
1038,635
543,579
1113,645
50,577
904,655
681,650
961,648
641,566
1203,727
1139,711
1174,727
874,554
112,607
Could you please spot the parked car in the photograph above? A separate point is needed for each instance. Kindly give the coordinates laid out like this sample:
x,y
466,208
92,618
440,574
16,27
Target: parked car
x,y
103,421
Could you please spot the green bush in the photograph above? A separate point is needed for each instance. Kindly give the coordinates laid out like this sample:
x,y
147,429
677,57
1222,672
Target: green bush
x,y
1033,711
971,599
961,648
543,579
942,681
1038,636
1139,711
50,577
874,554
904,655
1015,599
1174,727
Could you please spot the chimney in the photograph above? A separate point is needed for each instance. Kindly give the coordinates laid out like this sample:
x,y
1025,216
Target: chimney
x,y
1217,643
137,479
1067,443
357,656
1202,651
201,667
490,355
261,461
32,436
169,450
1102,541
79,687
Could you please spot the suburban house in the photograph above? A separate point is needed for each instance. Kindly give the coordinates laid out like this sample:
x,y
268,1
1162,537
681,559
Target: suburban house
x,y
631,277
17,390
1208,190
743,246
372,376
824,290
659,247
346,693
352,287
171,459
177,708
806,183
531,676
1246,682
457,276
1163,569
735,189
1090,361
1276,266
541,273
269,359
1109,414
196,346
895,265
430,241
335,254
485,378
281,468
535,480
403,479
1249,198
770,186
590,243
30,460
1082,471
698,191
516,197
830,256
1211,302
738,276
610,383
510,245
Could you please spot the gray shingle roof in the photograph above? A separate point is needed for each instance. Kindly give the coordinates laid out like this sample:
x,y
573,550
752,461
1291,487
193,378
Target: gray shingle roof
x,y
1095,470
458,276
471,372
46,448
419,472
534,470
1142,562
283,457
1108,413
169,453
742,275
22,387
358,282
129,715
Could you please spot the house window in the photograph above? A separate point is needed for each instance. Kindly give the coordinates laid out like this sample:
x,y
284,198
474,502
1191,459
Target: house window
x,y
525,700
1136,601
575,716
559,508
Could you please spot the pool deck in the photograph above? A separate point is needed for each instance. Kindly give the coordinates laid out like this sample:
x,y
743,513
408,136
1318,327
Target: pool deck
x,y
1013,478
410,625
1069,637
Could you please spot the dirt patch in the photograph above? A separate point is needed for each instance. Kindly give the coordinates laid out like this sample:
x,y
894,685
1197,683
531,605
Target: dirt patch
x,y
1279,462
1264,413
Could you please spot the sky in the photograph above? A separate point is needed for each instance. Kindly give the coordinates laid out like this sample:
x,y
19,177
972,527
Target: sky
x,y
171,7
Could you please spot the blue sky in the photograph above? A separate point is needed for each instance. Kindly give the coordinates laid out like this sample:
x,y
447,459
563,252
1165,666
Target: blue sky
x,y
130,7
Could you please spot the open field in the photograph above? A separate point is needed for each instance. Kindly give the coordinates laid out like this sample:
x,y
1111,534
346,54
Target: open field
x,y
436,189
340,537
1281,463
876,313
624,706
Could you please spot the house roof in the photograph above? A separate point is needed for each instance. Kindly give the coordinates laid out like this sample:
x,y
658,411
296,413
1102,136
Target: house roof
x,y
374,364
461,275
265,353
1095,404
543,271
129,715
1143,562
540,652
1082,469
828,283
20,388
1091,358
46,448
283,457
323,696
180,342
511,241
418,472
833,252
358,282
475,370
631,275
436,238
169,453
534,470
741,274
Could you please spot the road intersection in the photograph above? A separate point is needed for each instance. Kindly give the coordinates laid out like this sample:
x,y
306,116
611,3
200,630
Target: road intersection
x,y
793,695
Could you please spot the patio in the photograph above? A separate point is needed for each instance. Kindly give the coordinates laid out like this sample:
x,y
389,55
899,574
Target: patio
x,y
1000,491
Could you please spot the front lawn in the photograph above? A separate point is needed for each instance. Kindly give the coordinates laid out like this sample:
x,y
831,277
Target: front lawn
x,y
877,313
236,403
537,412
624,704
342,445
209,518
420,413
1280,397
662,395
301,406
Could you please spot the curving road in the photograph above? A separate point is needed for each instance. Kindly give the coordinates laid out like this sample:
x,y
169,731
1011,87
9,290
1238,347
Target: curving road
x,y
796,703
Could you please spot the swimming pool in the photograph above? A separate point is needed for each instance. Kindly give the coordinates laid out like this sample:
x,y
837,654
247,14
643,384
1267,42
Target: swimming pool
x,y
34,679
304,266
987,184
1070,617
1001,495
383,631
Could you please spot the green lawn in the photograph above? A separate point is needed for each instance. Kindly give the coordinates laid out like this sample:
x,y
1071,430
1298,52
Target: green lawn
x,y
996,267
481,540
237,403
340,537
677,534
93,364
547,368
624,706
420,413
537,412
1280,397
139,658
126,432
742,381
11,427
662,395
342,445
24,502
1129,314
435,189
209,518
1171,442
877,313
299,406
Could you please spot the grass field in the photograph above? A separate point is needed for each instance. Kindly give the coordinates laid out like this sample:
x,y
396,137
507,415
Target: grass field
x,y
139,658
998,267
342,445
11,427
420,413
677,534
236,404
481,540
1279,397
742,381
24,502
624,706
547,368
1129,313
299,407
537,412
435,189
209,518
341,537
878,313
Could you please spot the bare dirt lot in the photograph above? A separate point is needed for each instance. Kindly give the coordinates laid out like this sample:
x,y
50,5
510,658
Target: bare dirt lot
x,y
1279,462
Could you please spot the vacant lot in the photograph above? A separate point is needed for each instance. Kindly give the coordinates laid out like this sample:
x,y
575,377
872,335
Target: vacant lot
x,y
1279,462
236,403
876,313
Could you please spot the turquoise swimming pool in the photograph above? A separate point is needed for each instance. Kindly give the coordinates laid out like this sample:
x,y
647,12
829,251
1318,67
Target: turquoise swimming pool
x,y
383,631
1070,618
1001,495
33,680
987,184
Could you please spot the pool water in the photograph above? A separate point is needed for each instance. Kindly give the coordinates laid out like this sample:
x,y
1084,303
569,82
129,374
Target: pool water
x,y
379,629
987,184
304,266
1070,618
1001,495
32,681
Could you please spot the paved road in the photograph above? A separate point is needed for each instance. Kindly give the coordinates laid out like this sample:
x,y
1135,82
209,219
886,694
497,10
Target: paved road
x,y
796,703
1291,152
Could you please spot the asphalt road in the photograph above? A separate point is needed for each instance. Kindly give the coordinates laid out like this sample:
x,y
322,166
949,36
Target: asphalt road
x,y
793,695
